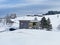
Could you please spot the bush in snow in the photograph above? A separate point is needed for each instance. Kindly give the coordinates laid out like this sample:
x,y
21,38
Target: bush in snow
x,y
12,29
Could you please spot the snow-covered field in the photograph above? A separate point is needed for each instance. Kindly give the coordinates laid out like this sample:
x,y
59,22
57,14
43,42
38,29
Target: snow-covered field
x,y
31,36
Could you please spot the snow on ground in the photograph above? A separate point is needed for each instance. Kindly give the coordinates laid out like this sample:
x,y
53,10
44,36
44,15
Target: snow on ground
x,y
30,37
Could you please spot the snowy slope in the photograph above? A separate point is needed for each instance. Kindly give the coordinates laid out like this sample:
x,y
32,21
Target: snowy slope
x,y
55,21
30,37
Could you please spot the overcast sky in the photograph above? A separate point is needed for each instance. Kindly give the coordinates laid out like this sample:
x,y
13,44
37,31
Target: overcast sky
x,y
23,7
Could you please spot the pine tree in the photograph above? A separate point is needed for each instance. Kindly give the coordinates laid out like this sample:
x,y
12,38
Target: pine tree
x,y
43,23
49,26
48,20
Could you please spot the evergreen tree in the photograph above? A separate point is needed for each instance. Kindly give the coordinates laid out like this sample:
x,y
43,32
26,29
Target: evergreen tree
x,y
48,21
49,26
45,23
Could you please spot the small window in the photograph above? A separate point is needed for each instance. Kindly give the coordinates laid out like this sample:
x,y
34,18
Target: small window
x,y
34,23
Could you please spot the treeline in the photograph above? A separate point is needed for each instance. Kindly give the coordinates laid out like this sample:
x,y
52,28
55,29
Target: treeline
x,y
52,12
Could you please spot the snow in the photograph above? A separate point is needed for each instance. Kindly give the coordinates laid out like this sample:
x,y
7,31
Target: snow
x,y
55,21
30,36
26,18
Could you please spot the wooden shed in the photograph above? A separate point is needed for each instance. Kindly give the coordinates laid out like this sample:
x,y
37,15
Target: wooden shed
x,y
29,24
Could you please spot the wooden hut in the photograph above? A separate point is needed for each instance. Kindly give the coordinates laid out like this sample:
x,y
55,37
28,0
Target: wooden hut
x,y
29,24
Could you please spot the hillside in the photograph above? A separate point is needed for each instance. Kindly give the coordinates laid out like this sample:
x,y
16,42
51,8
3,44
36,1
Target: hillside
x,y
55,21
52,13
31,36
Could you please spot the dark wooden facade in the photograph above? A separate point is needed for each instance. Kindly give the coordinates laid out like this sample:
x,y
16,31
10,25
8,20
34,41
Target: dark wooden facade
x,y
24,24
27,24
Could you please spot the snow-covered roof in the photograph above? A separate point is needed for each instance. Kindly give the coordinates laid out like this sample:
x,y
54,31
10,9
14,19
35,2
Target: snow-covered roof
x,y
26,18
